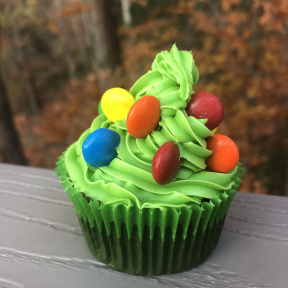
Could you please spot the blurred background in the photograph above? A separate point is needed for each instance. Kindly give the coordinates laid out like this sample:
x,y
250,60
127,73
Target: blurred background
x,y
57,57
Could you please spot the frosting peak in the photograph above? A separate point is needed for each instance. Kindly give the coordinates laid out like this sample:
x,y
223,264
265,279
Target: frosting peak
x,y
171,80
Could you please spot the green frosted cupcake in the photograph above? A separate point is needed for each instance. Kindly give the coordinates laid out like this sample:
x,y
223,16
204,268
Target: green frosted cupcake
x,y
146,181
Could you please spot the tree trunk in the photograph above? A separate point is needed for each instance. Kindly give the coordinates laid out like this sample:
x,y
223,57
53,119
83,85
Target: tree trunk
x,y
107,43
86,36
10,145
19,61
126,14
64,40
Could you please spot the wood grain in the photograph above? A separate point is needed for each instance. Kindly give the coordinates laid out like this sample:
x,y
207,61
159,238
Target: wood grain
x,y
41,243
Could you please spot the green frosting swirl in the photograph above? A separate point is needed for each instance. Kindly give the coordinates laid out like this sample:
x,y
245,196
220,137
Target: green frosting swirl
x,y
128,179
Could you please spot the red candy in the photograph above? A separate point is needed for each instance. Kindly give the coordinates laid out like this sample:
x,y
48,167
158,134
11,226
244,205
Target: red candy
x,y
204,105
165,163
143,117
225,154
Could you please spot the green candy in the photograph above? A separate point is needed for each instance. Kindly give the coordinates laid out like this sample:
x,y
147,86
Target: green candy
x,y
100,111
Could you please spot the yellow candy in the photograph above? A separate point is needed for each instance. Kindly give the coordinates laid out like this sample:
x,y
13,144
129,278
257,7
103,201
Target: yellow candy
x,y
116,103
214,130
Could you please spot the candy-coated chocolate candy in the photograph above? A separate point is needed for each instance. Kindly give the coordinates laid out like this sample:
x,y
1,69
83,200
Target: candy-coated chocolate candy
x,y
204,105
116,103
225,154
99,148
143,117
165,163
214,130
100,111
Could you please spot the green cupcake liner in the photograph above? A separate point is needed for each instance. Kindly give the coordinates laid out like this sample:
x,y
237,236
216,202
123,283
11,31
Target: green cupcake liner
x,y
149,241
151,256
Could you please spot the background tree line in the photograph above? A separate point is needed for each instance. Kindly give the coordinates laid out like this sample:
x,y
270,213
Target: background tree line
x,y
59,56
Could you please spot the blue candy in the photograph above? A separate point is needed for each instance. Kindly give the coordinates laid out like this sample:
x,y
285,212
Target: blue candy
x,y
99,148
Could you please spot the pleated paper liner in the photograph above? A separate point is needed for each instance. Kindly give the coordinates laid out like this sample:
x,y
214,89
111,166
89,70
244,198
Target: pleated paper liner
x,y
149,241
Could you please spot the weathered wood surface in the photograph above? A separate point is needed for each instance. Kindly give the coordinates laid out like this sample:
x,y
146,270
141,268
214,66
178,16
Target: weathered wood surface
x,y
41,244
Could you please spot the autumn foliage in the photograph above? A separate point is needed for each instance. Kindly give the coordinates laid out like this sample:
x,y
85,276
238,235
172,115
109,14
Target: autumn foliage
x,y
240,49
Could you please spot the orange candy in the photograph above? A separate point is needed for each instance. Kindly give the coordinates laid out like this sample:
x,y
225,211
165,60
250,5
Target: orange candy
x,y
225,154
143,117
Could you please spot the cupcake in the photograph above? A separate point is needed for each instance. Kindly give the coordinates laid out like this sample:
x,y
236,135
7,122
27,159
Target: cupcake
x,y
150,181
